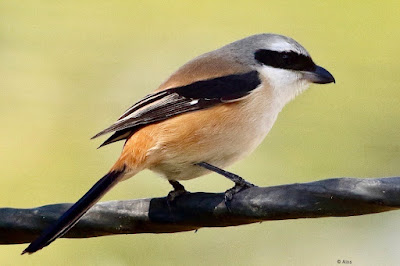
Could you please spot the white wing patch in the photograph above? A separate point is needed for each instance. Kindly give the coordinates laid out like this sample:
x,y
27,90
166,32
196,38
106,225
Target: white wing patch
x,y
150,107
194,102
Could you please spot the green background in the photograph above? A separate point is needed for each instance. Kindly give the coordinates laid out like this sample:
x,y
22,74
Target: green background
x,y
69,68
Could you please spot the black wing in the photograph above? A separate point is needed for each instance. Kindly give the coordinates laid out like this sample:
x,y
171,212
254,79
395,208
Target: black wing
x,y
171,102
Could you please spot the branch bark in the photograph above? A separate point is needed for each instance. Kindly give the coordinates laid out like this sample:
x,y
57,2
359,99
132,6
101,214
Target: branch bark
x,y
332,197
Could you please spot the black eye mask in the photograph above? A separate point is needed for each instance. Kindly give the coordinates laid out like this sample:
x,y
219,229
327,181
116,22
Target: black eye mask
x,y
285,60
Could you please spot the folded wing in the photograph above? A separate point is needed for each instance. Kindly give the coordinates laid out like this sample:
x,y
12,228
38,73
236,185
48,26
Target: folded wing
x,y
164,104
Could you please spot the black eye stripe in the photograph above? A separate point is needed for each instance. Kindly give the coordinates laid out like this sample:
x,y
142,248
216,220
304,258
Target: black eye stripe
x,y
285,60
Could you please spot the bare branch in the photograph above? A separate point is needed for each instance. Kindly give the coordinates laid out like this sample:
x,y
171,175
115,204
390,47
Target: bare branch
x,y
331,197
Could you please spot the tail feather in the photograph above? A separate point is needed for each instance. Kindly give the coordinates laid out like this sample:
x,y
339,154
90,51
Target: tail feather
x,y
73,214
117,136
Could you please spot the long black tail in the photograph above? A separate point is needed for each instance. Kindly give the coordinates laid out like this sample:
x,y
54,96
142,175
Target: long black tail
x,y
73,214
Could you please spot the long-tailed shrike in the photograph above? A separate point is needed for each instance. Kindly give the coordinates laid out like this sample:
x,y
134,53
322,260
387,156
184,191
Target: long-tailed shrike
x,y
211,112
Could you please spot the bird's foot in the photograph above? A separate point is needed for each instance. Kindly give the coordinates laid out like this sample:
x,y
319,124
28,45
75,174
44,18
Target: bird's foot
x,y
178,191
172,195
240,183
230,193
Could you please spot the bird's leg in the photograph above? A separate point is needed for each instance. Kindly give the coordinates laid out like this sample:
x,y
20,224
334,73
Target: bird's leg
x,y
240,183
179,190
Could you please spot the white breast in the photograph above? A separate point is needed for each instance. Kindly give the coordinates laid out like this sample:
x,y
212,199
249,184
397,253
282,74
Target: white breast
x,y
258,114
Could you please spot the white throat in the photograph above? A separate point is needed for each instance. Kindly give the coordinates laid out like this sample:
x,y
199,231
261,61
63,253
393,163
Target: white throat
x,y
286,84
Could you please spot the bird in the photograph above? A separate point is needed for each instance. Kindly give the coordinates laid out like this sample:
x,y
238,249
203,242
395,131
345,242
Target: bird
x,y
213,111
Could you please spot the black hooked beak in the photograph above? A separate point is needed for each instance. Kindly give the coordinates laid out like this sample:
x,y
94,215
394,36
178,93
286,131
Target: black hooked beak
x,y
320,76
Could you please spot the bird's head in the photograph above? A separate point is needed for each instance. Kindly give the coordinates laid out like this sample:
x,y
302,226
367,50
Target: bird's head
x,y
283,62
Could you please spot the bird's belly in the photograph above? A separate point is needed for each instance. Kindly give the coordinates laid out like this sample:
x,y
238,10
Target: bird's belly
x,y
213,150
219,137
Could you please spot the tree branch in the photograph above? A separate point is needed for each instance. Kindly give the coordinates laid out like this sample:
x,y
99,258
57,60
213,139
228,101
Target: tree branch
x,y
331,197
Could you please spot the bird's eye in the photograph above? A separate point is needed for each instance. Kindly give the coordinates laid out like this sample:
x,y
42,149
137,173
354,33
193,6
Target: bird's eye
x,y
285,59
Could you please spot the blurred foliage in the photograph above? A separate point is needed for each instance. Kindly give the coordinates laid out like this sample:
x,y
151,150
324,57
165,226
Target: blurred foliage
x,y
70,68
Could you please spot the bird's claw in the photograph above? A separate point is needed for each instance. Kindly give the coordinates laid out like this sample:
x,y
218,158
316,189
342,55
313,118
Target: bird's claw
x,y
172,195
236,189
